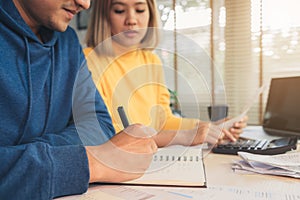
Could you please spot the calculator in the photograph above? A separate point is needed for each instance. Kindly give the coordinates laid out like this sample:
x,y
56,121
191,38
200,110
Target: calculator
x,y
259,146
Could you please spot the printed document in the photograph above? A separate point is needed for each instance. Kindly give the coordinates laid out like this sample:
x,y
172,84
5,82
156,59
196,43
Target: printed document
x,y
287,164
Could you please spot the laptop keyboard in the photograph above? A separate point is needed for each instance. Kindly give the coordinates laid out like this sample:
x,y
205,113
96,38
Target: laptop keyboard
x,y
267,147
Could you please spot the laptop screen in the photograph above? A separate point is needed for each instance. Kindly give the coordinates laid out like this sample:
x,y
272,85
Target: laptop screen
x,y
282,114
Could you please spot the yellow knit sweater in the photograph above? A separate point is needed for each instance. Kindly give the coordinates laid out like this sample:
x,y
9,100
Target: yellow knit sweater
x,y
135,80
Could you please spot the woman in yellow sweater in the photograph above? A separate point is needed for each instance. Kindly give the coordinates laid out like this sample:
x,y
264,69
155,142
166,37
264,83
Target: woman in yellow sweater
x,y
120,38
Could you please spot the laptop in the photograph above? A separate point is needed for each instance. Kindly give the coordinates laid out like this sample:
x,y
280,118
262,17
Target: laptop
x,y
281,119
282,114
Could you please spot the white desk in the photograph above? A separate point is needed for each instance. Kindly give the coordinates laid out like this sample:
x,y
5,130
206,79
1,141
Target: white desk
x,y
222,182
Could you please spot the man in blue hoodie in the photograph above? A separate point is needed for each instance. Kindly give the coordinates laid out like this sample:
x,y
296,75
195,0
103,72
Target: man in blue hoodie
x,y
49,106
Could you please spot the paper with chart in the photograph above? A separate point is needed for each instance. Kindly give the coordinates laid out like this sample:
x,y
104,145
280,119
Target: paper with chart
x,y
287,164
229,123
119,192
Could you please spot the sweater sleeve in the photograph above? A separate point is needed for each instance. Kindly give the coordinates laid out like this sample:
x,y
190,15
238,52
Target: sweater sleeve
x,y
40,171
169,120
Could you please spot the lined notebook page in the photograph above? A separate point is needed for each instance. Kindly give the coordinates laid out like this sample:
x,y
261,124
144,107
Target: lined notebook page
x,y
175,166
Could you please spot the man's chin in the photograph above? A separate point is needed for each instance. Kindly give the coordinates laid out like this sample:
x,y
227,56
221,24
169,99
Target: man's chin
x,y
62,27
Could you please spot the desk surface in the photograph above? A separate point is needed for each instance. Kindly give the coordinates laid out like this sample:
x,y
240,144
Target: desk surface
x,y
222,182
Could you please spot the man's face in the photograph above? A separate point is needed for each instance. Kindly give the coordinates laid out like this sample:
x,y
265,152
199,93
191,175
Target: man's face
x,y
53,14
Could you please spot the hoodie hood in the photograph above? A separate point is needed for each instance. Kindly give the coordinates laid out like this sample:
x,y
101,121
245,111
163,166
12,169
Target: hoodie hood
x,y
33,63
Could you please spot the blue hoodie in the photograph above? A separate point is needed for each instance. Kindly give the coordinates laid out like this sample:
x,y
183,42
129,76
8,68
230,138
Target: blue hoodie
x,y
48,104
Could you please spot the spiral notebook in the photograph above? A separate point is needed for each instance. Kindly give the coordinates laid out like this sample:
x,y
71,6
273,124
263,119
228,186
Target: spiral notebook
x,y
175,166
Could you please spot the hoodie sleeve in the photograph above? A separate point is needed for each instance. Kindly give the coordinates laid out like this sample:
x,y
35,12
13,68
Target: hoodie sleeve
x,y
91,116
167,120
90,123
40,171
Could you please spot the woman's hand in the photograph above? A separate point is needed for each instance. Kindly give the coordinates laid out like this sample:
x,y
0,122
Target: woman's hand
x,y
235,131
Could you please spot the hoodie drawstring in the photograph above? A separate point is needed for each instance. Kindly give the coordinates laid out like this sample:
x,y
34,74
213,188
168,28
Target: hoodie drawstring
x,y
48,114
29,91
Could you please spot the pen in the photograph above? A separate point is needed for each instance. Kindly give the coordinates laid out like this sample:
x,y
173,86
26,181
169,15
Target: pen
x,y
123,117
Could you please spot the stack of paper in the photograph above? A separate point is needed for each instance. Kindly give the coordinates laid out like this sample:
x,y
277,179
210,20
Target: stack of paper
x,y
283,164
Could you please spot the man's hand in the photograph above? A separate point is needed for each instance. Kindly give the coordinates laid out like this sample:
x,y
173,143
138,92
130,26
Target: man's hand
x,y
124,157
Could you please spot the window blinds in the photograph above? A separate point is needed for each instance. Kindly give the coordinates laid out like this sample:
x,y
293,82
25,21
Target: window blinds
x,y
249,42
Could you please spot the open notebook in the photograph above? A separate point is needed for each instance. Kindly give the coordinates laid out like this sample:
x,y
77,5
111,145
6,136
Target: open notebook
x,y
175,166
